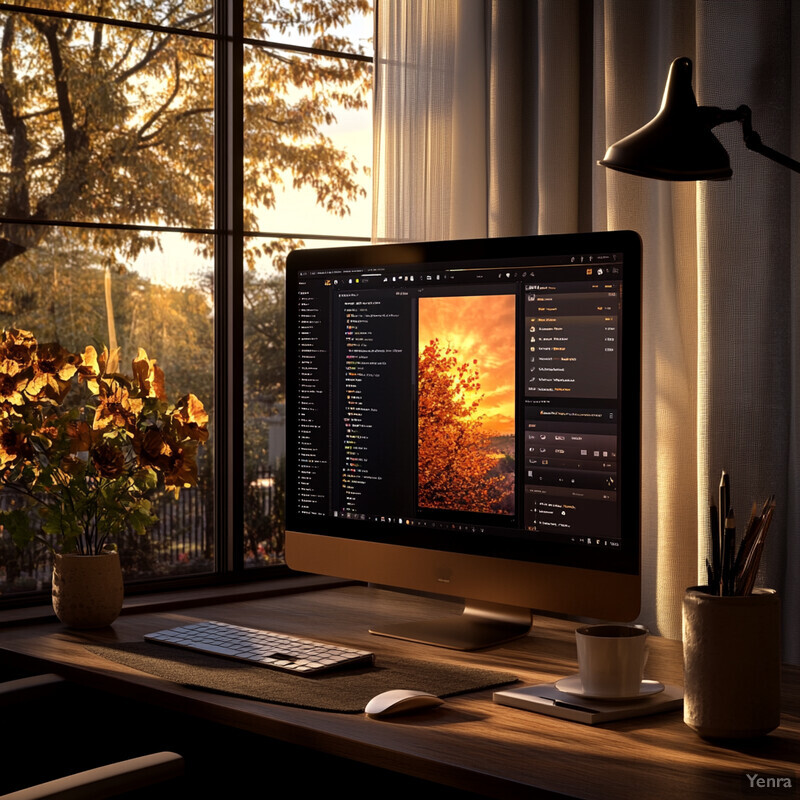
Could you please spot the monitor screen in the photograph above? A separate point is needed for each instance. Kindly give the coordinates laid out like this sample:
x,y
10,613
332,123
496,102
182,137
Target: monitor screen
x,y
463,419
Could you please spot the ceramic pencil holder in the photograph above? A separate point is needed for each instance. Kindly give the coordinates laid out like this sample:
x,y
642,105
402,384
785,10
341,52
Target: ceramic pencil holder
x,y
732,663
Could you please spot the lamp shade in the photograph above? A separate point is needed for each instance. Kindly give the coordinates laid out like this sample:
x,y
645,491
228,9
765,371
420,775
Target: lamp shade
x,y
677,144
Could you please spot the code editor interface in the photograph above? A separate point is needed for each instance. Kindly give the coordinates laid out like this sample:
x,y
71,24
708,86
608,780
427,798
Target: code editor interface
x,y
475,398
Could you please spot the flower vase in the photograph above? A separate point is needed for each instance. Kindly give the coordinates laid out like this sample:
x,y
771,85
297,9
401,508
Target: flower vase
x,y
87,590
732,663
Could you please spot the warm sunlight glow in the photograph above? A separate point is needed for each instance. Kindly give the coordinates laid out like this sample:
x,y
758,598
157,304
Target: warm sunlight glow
x,y
478,328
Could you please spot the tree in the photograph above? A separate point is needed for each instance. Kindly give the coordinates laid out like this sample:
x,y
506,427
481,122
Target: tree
x,y
454,448
101,123
116,125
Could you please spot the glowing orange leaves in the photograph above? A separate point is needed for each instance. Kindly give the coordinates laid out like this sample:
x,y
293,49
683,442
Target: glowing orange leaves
x,y
116,407
466,450
30,370
13,381
454,459
91,464
18,346
93,367
149,376
482,328
53,368
190,418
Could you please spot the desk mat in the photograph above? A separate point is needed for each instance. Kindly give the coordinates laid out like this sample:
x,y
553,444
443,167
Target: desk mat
x,y
344,692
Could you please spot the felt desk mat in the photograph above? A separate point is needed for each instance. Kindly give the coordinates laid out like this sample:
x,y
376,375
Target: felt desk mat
x,y
345,691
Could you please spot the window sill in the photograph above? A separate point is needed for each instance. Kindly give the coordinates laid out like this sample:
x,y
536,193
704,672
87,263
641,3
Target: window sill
x,y
186,598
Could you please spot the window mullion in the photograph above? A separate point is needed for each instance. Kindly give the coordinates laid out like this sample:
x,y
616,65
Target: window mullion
x,y
229,360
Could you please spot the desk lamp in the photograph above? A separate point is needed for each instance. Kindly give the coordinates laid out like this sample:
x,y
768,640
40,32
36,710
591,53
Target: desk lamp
x,y
678,145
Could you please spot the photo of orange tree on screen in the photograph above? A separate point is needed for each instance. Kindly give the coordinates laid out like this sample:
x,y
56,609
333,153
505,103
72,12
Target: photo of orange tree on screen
x,y
465,403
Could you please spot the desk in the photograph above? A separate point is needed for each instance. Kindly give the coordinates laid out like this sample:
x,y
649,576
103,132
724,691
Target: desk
x,y
470,743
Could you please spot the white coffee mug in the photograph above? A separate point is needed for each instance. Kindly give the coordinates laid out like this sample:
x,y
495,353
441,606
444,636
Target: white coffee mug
x,y
611,659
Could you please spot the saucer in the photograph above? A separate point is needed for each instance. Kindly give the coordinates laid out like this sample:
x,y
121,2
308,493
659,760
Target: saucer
x,y
573,685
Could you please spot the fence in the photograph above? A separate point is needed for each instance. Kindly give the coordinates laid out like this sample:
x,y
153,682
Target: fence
x,y
182,540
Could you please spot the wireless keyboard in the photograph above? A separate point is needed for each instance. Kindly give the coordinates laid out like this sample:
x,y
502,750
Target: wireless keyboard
x,y
262,648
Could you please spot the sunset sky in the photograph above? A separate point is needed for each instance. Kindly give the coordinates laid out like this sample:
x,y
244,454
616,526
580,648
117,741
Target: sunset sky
x,y
481,328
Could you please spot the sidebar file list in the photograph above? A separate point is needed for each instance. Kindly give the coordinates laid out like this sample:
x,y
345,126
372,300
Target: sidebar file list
x,y
312,403
374,404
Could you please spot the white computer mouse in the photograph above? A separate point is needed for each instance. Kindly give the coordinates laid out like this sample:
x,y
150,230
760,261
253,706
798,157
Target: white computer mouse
x,y
400,701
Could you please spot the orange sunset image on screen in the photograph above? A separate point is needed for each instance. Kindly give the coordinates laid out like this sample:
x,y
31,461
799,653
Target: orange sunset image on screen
x,y
465,401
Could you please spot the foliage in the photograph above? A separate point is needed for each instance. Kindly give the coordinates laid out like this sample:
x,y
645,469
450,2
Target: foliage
x,y
455,461
116,124
88,467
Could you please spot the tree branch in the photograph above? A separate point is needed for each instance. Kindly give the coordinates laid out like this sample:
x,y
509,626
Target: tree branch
x,y
150,141
97,42
45,112
152,51
165,105
72,137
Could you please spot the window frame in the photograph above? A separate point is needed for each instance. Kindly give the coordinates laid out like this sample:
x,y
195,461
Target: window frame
x,y
229,237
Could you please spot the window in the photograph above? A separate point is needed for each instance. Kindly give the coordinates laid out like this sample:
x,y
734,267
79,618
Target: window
x,y
158,161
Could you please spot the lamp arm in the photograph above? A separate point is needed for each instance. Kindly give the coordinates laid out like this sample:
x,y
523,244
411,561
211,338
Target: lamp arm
x,y
716,116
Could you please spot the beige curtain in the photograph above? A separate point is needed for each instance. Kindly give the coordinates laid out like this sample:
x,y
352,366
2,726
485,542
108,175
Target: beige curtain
x,y
490,118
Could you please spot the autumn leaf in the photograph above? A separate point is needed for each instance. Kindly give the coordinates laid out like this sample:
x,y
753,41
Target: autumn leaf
x,y
116,407
53,367
18,346
89,370
190,419
13,380
148,376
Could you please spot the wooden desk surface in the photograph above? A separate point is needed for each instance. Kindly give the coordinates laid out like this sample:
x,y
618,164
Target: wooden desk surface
x,y
470,743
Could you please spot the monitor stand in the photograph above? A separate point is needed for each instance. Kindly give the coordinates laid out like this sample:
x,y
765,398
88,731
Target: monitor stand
x,y
479,625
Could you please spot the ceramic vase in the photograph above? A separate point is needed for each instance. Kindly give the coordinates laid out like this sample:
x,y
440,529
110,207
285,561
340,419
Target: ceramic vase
x,y
732,663
87,590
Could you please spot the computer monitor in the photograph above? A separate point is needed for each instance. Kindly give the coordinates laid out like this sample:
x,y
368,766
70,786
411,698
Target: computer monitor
x,y
463,419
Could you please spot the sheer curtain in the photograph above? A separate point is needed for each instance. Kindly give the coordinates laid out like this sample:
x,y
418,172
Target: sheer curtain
x,y
490,118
